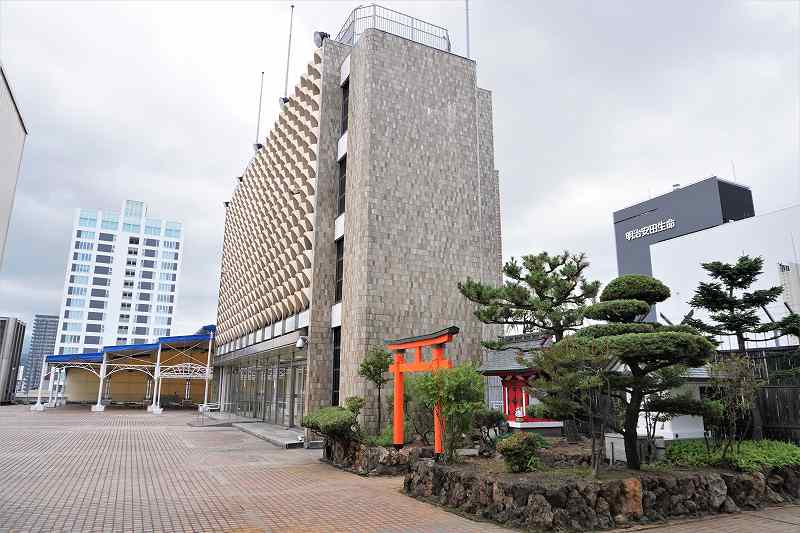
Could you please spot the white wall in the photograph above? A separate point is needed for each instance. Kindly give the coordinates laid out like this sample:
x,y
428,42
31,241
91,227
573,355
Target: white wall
x,y
12,140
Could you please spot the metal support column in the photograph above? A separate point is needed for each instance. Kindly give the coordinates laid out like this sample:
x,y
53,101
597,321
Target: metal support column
x,y
155,408
98,407
204,407
38,406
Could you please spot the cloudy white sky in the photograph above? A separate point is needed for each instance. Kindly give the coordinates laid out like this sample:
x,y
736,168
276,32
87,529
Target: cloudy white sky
x,y
597,105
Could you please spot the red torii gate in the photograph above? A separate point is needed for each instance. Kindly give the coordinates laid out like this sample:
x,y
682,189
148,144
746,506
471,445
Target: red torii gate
x,y
437,340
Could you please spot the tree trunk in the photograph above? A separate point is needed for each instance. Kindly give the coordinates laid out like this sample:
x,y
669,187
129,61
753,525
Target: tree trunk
x,y
758,424
631,435
379,411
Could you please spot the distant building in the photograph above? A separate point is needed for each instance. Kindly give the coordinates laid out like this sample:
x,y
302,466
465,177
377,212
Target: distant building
x,y
12,335
121,281
789,277
12,142
43,342
373,195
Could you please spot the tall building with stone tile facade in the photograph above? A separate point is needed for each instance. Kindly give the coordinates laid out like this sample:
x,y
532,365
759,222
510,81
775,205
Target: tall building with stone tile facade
x,y
373,195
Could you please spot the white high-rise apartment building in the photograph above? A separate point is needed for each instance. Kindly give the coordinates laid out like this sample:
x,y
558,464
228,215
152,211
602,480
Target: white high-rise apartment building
x,y
121,283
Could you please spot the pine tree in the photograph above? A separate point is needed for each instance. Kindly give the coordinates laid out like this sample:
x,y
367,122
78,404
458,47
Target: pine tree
x,y
543,295
650,358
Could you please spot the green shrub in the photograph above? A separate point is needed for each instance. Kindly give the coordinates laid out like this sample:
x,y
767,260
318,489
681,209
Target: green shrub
x,y
332,422
519,451
751,456
354,404
635,287
617,310
418,416
385,439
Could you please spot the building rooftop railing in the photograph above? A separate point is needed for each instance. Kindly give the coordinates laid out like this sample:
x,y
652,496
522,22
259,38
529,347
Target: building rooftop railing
x,y
394,22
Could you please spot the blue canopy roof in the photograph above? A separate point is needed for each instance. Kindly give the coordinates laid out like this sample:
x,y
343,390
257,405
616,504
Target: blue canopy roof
x,y
96,357
131,348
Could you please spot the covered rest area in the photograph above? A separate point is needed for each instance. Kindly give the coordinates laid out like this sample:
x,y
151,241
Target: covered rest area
x,y
171,372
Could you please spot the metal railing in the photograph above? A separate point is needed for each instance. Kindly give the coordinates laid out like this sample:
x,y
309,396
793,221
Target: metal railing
x,y
394,22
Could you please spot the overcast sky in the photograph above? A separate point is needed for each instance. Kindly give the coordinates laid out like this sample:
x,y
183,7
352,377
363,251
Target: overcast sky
x,y
597,105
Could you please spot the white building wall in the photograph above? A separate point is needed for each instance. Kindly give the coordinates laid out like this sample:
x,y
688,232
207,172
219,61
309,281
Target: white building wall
x,y
142,266
12,141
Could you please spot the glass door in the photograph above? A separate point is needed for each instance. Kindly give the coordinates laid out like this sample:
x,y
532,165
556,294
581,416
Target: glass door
x,y
298,396
281,412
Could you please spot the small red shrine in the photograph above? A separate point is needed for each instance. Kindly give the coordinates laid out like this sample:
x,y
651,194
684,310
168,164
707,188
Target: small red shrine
x,y
514,377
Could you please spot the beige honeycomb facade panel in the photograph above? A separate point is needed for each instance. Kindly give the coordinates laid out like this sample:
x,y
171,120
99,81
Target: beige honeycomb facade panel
x,y
269,221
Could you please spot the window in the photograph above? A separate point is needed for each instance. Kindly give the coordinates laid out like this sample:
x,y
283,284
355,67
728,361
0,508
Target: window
x,y
336,364
166,287
77,291
83,234
71,326
152,230
167,276
147,274
83,245
76,302
144,296
93,315
73,339
146,285
90,339
164,309
337,296
127,284
124,318
102,270
69,349
87,219
79,280
143,308
161,332
169,266
121,341
102,282
82,256
107,248
100,293
110,221
104,259
133,240
133,251
108,237
345,107
127,295
147,263
140,331
166,298
131,228
97,304
124,306
122,330
74,315
129,273
169,256
130,263
134,208
172,245
172,229
151,242
341,186
81,268
149,253
94,328
141,319
162,320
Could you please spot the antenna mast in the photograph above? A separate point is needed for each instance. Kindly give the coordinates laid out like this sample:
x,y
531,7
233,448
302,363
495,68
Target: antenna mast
x,y
257,145
288,57
466,5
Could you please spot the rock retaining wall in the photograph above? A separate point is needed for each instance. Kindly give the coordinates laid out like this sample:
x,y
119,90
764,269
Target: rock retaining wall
x,y
373,460
585,505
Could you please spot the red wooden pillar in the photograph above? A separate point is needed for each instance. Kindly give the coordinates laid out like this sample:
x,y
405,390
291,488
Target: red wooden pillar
x,y
399,415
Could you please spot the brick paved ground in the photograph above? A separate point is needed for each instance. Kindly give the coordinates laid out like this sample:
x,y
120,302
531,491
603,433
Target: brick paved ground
x,y
73,470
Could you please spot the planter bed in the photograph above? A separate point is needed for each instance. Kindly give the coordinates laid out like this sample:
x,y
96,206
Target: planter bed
x,y
566,499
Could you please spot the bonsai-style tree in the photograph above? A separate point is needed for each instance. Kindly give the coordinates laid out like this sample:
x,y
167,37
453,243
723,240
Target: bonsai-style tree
x,y
735,311
545,295
572,384
373,368
649,358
